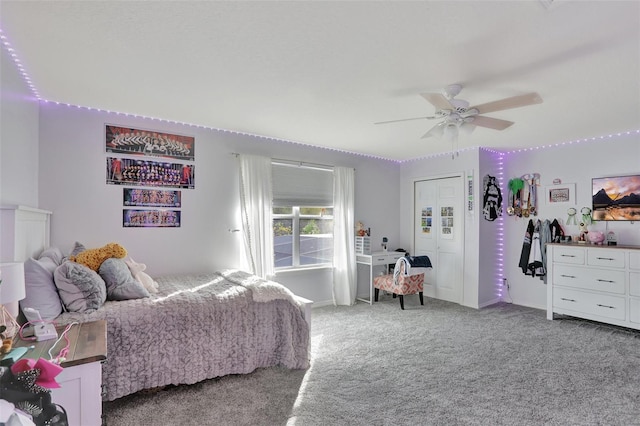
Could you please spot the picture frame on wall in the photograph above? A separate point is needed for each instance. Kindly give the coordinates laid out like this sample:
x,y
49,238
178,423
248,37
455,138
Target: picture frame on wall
x,y
142,197
157,218
140,172
564,193
149,143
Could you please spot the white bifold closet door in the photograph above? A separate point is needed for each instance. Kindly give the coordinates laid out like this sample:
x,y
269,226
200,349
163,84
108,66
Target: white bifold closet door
x,y
439,234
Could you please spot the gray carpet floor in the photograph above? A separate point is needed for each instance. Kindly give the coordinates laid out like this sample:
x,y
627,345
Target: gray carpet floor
x,y
437,364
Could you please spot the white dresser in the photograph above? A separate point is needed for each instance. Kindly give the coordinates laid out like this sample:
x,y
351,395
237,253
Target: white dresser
x,y
599,283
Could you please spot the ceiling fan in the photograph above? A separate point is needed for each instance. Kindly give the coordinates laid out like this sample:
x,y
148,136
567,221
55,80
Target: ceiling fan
x,y
458,115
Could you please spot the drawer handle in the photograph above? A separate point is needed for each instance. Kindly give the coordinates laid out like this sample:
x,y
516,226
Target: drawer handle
x,y
567,276
605,281
606,306
605,258
567,300
568,255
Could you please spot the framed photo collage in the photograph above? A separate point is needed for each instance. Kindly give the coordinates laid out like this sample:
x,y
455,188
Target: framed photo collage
x,y
153,168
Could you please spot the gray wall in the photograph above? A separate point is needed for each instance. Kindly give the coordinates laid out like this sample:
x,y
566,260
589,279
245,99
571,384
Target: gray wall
x,y
86,209
18,137
52,157
571,163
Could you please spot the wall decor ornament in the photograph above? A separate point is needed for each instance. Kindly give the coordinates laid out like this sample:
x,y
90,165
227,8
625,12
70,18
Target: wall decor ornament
x,y
492,199
561,194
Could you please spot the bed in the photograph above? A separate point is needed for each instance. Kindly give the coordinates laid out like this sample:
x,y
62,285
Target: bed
x,y
199,327
195,327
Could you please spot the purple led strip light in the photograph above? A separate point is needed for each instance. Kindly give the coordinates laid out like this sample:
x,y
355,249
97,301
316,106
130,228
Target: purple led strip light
x,y
27,79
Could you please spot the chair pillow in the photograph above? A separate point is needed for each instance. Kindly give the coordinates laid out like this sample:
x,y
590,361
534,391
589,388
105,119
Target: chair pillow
x,y
120,283
80,288
40,289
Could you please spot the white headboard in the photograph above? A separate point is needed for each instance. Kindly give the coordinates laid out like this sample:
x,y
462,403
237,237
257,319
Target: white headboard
x,y
24,232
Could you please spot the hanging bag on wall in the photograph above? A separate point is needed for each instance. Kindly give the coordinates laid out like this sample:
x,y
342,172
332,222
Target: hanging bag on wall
x,y
492,199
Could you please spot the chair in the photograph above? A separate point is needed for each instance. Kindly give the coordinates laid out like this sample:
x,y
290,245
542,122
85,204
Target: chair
x,y
400,286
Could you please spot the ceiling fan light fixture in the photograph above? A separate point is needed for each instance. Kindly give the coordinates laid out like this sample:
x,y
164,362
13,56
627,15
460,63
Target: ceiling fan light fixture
x,y
467,126
436,131
450,132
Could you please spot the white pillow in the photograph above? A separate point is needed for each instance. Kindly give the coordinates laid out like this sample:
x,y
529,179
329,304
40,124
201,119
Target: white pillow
x,y
53,253
40,289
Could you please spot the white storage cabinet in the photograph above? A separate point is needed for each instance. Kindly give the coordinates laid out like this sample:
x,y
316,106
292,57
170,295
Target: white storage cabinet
x,y
599,283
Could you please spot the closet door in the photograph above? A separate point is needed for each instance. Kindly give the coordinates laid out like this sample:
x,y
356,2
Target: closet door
x,y
439,234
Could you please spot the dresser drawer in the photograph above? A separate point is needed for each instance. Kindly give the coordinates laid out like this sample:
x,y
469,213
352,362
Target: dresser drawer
x,y
634,310
634,283
589,278
572,255
609,258
383,259
634,260
602,305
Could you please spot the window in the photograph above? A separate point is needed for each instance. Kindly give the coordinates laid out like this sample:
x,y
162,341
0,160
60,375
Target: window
x,y
302,216
303,236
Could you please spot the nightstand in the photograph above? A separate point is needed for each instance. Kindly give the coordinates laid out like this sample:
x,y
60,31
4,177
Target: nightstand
x,y
81,380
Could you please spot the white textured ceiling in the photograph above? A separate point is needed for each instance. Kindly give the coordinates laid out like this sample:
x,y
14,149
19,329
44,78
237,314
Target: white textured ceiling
x,y
321,73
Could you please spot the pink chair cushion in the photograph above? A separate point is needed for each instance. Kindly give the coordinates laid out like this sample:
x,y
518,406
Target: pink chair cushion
x,y
407,284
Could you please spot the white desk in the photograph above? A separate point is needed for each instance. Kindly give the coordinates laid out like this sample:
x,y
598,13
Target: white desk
x,y
377,259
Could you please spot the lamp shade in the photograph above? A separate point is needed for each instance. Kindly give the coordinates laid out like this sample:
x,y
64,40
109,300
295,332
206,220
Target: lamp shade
x,y
12,285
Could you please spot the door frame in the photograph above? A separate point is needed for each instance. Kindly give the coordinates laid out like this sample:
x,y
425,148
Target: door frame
x,y
461,176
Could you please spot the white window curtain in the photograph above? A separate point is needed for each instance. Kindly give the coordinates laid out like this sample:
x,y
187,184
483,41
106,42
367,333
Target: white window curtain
x,y
344,253
256,193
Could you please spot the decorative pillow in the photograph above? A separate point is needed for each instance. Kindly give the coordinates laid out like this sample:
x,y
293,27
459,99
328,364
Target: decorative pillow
x,y
140,276
41,292
80,288
53,253
120,283
93,258
77,249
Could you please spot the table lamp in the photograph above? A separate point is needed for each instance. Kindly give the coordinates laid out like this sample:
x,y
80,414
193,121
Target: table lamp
x,y
12,290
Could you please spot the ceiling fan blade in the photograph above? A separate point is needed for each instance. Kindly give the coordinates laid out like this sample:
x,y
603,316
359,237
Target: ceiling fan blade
x,y
508,103
438,100
435,131
406,119
491,123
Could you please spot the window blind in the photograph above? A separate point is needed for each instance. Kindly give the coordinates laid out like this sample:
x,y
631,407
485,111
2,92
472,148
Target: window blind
x,y
295,185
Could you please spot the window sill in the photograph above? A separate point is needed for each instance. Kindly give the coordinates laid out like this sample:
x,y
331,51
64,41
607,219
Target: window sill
x,y
303,269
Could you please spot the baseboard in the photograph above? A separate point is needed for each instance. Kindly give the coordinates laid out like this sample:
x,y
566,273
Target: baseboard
x,y
323,303
490,302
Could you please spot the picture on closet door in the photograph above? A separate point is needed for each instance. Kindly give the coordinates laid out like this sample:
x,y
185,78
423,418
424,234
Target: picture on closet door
x,y
427,220
446,222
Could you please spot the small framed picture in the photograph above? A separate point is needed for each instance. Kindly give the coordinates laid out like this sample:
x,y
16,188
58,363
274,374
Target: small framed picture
x,y
561,194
